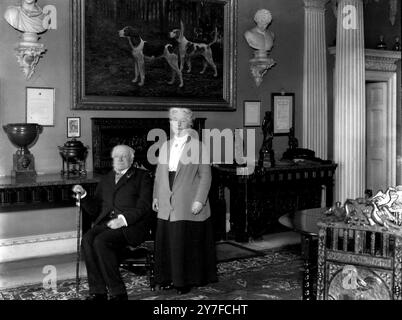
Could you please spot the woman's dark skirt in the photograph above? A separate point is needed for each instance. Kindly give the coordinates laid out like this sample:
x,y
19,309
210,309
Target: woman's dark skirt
x,y
185,253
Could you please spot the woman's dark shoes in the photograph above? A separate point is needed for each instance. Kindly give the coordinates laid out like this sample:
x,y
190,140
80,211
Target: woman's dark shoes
x,y
183,290
119,297
97,297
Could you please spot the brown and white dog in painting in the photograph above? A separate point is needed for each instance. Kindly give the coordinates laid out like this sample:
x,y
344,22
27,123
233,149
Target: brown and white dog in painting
x,y
189,50
142,49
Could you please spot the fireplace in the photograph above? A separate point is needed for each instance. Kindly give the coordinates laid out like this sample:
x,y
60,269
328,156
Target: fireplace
x,y
109,132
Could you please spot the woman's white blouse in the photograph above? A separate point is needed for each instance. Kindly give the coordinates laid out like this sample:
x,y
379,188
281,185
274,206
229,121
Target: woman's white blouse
x,y
176,150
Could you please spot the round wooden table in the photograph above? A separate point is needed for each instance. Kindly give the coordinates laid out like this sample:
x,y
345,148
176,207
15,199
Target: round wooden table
x,y
305,222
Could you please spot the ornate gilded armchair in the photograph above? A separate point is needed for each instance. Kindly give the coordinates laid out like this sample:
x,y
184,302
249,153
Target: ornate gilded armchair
x,y
360,251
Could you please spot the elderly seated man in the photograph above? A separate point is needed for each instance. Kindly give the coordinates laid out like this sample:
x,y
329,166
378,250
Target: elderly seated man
x,y
121,209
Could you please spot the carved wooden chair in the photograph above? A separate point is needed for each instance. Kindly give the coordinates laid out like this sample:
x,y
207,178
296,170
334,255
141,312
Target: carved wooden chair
x,y
142,256
358,262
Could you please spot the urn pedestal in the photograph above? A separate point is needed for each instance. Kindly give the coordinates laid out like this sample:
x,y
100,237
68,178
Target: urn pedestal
x,y
23,135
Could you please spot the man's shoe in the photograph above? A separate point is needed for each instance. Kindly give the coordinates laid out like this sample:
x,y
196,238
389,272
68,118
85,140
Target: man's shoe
x,y
97,297
167,286
119,297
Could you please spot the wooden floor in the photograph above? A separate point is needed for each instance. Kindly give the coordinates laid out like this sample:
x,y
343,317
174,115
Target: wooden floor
x,y
25,272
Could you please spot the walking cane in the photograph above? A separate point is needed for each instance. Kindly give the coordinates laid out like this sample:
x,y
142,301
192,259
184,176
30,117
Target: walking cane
x,y
77,269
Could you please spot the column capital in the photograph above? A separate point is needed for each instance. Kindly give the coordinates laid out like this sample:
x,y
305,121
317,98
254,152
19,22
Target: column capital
x,y
335,3
315,4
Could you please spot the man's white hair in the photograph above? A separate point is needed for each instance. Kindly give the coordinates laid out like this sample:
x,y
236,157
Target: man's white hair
x,y
263,15
130,150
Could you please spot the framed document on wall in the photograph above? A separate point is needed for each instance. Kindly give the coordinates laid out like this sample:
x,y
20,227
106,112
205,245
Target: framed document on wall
x,y
283,113
40,106
252,113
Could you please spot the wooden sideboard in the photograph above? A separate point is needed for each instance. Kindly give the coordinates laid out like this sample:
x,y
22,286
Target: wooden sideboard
x,y
44,192
259,199
38,216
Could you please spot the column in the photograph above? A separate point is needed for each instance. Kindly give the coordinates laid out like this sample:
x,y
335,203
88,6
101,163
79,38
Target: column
x,y
349,104
315,105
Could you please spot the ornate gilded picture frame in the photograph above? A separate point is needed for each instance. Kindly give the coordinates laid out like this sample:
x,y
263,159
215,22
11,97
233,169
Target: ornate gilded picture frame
x,y
130,54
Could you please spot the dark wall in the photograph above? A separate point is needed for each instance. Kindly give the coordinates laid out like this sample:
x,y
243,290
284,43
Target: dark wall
x,y
377,22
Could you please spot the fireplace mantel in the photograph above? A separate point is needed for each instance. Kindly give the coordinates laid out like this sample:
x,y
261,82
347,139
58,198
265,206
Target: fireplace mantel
x,y
108,132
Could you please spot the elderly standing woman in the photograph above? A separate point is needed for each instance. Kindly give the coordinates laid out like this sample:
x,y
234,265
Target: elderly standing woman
x,y
184,249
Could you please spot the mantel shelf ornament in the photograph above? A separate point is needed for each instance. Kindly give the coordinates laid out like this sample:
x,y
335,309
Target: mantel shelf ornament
x,y
31,20
261,40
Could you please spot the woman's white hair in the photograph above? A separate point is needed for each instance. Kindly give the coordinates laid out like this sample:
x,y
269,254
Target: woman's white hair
x,y
181,113
263,15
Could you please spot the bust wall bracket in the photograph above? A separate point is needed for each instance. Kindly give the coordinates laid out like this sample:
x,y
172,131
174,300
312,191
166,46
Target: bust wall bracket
x,y
259,66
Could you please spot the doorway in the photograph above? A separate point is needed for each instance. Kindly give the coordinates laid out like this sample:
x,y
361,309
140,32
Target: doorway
x,y
380,130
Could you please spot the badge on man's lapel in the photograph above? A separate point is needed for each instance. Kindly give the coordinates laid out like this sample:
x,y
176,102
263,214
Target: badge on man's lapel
x,y
130,172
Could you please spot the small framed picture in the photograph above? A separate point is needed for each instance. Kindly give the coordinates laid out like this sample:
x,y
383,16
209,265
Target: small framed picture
x,y
252,113
40,106
283,113
73,127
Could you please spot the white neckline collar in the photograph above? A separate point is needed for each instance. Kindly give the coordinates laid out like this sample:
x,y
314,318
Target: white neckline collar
x,y
181,139
123,172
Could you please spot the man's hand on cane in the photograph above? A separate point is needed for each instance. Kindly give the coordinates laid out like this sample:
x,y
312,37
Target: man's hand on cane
x,y
79,194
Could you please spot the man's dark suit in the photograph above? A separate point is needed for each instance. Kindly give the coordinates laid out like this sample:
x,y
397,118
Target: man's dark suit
x,y
130,197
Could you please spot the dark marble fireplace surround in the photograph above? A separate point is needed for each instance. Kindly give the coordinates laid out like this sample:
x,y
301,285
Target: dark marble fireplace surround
x,y
109,132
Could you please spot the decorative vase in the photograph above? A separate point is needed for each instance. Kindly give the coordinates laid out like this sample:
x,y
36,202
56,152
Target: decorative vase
x,y
23,135
397,45
382,45
73,154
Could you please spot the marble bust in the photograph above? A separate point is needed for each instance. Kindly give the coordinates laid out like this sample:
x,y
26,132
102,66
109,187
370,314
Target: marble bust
x,y
259,38
27,17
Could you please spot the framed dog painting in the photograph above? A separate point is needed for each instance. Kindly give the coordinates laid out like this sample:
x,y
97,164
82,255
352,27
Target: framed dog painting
x,y
154,54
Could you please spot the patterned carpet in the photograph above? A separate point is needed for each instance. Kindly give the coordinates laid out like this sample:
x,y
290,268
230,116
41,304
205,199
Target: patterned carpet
x,y
275,276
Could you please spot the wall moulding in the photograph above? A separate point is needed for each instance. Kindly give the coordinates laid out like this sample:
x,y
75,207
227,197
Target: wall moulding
x,y
14,249
378,60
